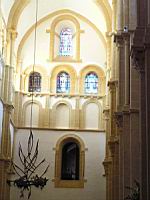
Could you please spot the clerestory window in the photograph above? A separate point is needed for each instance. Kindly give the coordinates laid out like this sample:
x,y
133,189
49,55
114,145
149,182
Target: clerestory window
x,y
91,83
66,42
35,82
63,83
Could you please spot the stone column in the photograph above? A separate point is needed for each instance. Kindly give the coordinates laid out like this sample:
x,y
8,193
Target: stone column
x,y
120,71
138,56
108,173
126,13
114,8
119,15
127,68
112,87
112,138
119,123
147,82
113,146
5,153
126,152
77,113
46,112
134,126
11,37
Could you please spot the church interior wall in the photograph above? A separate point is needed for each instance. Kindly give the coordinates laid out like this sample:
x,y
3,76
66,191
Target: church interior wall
x,y
91,54
94,143
1,122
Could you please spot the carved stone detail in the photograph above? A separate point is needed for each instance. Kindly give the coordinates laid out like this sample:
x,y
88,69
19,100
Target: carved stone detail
x,y
138,50
107,163
112,85
106,114
112,145
138,58
118,39
118,116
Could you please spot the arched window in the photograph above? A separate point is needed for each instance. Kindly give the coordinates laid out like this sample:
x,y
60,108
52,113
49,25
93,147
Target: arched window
x,y
35,82
66,42
70,162
91,83
63,82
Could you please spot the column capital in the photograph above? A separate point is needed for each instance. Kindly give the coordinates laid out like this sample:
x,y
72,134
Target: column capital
x,y
112,85
112,145
118,39
138,50
138,58
118,116
12,32
106,113
107,163
8,107
126,36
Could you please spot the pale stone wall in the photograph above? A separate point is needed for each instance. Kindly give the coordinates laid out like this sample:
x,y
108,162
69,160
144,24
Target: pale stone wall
x,y
95,52
1,121
94,186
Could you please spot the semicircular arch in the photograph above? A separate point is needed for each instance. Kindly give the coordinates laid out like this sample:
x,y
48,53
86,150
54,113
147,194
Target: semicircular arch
x,y
101,78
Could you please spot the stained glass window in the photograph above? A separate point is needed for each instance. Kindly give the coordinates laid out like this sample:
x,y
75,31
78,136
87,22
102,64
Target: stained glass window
x,y
91,83
35,82
63,82
66,42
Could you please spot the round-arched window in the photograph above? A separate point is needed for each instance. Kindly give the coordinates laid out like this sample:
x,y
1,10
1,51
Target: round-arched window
x,y
70,161
91,83
63,83
66,42
35,82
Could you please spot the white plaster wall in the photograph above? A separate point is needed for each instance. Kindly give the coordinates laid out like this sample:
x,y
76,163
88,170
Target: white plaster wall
x,y
62,116
94,187
6,6
1,74
91,116
1,121
87,8
12,136
35,115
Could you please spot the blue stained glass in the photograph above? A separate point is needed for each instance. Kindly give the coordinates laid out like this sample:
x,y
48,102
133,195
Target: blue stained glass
x,y
91,83
66,41
63,82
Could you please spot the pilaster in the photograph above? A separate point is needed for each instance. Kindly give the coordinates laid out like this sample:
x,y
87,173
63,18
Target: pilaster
x,y
138,58
113,146
112,87
5,155
119,122
120,69
46,113
126,37
11,37
108,173
77,113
